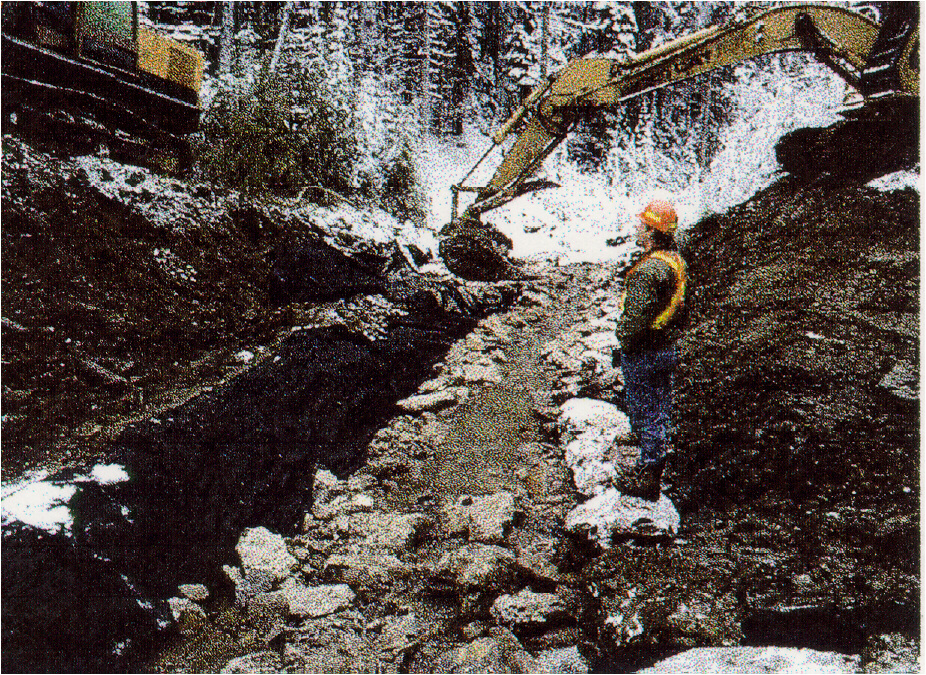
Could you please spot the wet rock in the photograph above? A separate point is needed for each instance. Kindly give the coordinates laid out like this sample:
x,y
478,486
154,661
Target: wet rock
x,y
195,592
267,613
755,660
258,662
432,401
485,518
527,609
367,572
566,660
612,514
499,653
316,601
265,561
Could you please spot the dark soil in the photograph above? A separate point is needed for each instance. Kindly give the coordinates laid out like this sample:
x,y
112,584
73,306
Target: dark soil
x,y
110,316
798,397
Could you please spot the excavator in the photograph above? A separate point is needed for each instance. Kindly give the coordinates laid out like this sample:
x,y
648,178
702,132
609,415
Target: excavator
x,y
87,72
880,61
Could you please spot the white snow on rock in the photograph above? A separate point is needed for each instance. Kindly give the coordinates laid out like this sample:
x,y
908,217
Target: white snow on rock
x,y
43,503
107,474
588,415
244,356
612,513
755,660
590,427
899,180
40,504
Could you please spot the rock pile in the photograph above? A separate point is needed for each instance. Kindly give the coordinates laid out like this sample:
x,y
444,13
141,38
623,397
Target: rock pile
x,y
451,548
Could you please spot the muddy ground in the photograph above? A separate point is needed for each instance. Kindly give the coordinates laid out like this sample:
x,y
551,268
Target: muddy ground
x,y
796,471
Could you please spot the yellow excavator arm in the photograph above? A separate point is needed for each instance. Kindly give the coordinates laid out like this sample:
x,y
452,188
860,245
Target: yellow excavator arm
x,y
841,38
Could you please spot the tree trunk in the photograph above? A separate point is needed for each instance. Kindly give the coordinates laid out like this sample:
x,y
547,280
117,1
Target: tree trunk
x,y
281,38
226,46
425,101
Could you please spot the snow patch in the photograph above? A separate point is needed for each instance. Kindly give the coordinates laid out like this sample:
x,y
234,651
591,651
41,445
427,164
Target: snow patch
x,y
899,180
40,504
591,216
44,504
107,474
611,511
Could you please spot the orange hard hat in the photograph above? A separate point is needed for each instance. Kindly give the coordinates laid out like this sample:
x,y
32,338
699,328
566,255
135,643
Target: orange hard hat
x,y
660,215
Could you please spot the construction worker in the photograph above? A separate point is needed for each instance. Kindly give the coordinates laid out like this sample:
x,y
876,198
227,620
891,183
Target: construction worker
x,y
653,311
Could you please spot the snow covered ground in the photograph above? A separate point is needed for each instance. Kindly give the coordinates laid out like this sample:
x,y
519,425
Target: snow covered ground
x,y
43,503
575,222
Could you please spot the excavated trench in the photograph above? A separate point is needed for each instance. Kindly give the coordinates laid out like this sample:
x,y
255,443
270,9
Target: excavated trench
x,y
241,455
795,467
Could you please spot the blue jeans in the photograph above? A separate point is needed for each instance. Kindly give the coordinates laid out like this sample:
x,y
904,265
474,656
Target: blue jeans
x,y
648,398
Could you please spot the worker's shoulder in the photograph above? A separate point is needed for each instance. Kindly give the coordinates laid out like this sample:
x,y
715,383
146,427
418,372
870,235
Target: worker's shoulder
x,y
654,267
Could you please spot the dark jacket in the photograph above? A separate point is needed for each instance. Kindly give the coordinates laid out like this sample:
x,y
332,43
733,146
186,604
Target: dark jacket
x,y
649,290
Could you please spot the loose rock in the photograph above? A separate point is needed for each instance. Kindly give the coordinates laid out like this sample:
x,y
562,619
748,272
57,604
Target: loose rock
x,y
527,609
316,601
265,561
755,660
486,519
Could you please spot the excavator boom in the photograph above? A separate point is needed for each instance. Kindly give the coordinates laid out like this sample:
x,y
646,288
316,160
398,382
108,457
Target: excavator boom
x,y
841,38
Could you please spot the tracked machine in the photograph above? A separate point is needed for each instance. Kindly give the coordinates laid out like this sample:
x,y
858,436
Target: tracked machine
x,y
880,61
86,74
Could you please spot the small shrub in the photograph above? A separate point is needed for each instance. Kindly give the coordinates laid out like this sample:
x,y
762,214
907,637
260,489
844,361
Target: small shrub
x,y
280,135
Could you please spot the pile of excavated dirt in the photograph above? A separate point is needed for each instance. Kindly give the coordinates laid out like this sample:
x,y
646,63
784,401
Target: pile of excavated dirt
x,y
125,293
798,397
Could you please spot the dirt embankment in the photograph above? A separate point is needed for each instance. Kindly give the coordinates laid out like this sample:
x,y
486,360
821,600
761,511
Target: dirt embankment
x,y
799,396
126,293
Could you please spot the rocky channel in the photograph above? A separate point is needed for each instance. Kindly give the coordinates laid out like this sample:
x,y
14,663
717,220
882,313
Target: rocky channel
x,y
416,474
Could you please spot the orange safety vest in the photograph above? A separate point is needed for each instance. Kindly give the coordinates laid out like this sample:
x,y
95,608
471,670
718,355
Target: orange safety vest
x,y
673,260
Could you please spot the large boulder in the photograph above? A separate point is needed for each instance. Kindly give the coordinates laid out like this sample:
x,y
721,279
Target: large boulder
x,y
265,562
755,660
